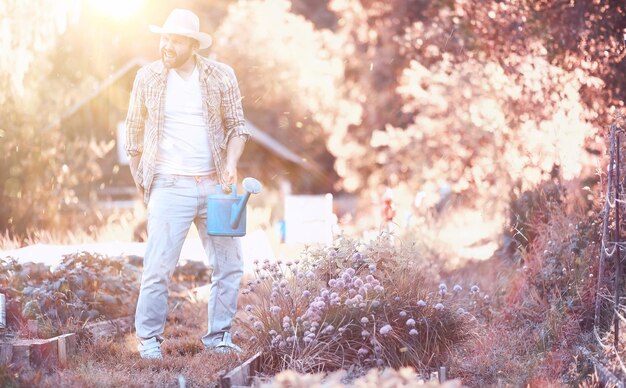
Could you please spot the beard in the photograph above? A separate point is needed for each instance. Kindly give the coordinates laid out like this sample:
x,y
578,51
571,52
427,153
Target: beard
x,y
174,60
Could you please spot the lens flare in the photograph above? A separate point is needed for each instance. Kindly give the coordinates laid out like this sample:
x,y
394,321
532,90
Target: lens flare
x,y
116,9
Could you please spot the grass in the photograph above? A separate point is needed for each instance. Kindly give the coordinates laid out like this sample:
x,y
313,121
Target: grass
x,y
542,301
116,363
520,328
118,225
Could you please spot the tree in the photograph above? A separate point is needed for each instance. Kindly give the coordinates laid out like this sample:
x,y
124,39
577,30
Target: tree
x,y
447,95
289,80
29,32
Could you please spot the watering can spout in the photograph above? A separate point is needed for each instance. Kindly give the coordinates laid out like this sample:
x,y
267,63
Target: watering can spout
x,y
252,186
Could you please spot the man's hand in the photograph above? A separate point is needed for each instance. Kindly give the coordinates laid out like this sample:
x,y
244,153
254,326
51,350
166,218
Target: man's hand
x,y
134,166
140,190
233,152
230,176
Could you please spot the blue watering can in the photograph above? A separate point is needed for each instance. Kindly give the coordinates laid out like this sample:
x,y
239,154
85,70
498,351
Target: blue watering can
x,y
226,213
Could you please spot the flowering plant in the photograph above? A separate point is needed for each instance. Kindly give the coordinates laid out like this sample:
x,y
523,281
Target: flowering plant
x,y
354,304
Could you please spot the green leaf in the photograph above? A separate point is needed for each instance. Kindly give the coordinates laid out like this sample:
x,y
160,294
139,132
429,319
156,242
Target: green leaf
x,y
31,310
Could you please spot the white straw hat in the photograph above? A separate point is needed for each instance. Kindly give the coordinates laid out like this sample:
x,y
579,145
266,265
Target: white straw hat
x,y
186,23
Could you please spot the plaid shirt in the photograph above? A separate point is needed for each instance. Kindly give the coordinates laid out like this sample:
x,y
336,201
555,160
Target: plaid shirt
x,y
221,108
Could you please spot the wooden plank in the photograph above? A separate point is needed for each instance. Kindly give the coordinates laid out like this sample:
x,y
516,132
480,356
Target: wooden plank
x,y
21,353
243,374
111,328
66,347
44,353
6,353
55,351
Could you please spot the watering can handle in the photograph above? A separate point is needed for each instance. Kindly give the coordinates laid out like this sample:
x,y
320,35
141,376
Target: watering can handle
x,y
232,189
251,186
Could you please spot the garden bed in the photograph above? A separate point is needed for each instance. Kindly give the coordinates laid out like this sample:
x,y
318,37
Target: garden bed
x,y
49,353
250,374
52,313
38,353
357,306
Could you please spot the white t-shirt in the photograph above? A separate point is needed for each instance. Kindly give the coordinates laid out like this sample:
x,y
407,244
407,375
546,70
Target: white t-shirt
x,y
184,144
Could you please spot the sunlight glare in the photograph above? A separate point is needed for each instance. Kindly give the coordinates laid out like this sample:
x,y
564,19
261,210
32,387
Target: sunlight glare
x,y
116,9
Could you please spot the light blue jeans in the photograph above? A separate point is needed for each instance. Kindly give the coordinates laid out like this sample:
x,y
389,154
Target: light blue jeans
x,y
175,202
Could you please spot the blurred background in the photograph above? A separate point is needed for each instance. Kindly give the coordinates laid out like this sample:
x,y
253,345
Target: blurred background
x,y
430,119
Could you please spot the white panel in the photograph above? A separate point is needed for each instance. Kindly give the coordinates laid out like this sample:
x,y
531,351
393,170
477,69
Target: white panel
x,y
309,219
122,158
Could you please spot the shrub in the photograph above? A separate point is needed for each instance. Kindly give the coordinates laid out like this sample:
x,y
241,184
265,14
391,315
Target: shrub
x,y
559,261
355,304
545,306
83,287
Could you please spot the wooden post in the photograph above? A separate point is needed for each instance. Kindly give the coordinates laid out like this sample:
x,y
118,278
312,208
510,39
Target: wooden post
x,y
66,347
3,311
605,232
616,241
442,374
6,353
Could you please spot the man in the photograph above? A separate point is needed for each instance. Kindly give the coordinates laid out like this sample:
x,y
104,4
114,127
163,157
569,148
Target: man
x,y
185,134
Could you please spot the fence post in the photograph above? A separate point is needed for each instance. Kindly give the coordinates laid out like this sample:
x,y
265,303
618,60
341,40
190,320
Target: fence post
x,y
3,311
605,229
618,263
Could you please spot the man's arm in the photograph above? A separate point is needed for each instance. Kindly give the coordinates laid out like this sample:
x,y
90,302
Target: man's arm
x,y
236,133
135,122
233,153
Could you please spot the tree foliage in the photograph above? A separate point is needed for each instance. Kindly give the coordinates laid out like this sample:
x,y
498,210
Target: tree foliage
x,y
461,107
487,98
34,184
287,72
